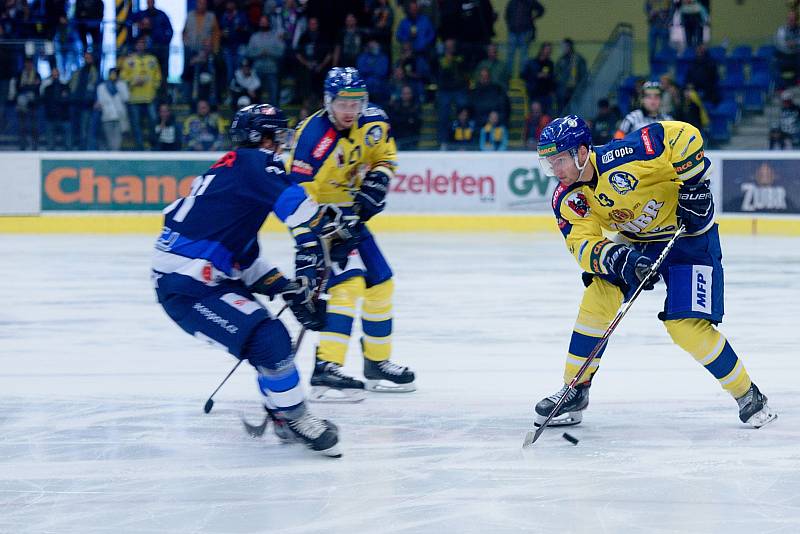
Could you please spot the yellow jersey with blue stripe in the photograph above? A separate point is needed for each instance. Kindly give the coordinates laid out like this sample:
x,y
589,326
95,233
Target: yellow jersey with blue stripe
x,y
635,190
331,163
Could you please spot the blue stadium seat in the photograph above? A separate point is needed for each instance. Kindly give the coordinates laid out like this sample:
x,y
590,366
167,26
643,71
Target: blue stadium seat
x,y
767,51
743,52
729,109
720,130
755,92
717,53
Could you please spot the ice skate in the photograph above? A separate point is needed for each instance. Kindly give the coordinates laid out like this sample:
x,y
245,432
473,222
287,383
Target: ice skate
x,y
301,426
388,377
330,384
570,412
753,408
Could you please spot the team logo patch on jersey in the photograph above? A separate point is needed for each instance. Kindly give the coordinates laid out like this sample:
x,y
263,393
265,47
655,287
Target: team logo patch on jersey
x,y
621,215
623,182
577,203
324,144
373,135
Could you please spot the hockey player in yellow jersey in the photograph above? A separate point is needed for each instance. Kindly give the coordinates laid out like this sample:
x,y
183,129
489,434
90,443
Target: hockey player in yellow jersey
x,y
344,154
643,187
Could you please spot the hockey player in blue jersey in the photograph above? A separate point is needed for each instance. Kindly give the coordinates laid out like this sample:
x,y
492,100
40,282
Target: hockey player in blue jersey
x,y
206,266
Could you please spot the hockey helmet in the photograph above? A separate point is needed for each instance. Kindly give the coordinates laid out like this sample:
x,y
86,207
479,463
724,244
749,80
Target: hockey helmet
x,y
346,87
257,122
564,134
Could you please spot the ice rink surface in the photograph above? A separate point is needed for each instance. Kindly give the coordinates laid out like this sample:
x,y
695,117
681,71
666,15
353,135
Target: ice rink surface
x,y
102,429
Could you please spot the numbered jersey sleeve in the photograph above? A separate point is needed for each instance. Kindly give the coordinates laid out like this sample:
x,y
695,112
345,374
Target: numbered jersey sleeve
x,y
686,151
583,234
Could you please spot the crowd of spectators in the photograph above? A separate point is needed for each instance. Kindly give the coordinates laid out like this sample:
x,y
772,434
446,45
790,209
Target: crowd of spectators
x,y
412,53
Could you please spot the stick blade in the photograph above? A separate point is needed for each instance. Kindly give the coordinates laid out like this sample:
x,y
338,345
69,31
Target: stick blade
x,y
208,406
531,437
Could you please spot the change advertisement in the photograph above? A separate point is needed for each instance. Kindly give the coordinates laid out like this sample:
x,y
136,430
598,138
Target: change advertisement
x,y
760,186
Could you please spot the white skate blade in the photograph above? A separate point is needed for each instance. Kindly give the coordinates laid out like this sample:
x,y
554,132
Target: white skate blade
x,y
387,386
762,417
332,452
566,419
334,395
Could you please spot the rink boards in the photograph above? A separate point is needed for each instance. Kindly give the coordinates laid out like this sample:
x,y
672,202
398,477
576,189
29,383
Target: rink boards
x,y
757,192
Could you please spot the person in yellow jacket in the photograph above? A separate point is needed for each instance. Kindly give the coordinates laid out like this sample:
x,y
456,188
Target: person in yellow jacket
x,y
344,154
143,74
644,186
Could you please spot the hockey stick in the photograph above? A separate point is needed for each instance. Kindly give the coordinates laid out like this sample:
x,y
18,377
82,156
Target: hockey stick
x,y
531,437
210,401
257,431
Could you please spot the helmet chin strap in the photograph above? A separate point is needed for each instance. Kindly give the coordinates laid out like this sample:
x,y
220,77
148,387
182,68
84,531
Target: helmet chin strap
x,y
585,163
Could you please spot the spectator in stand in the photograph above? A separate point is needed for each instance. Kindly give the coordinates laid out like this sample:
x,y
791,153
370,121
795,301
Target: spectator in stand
x,y
452,87
540,78
785,130
201,30
155,24
416,69
89,23
703,74
234,32
648,112
314,54
349,44
112,98
494,136
83,90
570,73
381,16
605,122
203,130
373,65
659,19
26,96
289,21
787,50
471,24
536,120
416,28
143,75
266,48
462,132
670,95
521,18
487,97
56,104
693,18
498,71
167,134
405,115
690,109
245,83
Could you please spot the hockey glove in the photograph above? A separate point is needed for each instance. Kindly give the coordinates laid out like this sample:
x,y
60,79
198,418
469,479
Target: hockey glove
x,y
343,231
371,197
631,268
307,309
271,284
695,206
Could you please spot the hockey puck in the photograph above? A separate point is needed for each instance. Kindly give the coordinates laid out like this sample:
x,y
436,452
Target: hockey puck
x,y
570,438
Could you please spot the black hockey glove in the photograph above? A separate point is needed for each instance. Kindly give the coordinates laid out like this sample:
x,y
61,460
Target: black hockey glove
x,y
271,284
342,229
307,308
695,206
371,197
631,268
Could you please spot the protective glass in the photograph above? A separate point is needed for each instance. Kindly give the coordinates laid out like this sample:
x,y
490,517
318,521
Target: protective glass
x,y
348,105
557,164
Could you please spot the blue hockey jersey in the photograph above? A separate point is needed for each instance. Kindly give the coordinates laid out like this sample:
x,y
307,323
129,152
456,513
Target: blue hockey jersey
x,y
211,235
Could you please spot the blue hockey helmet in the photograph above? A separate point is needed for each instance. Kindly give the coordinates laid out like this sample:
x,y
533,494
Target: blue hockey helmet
x,y
346,86
257,122
564,134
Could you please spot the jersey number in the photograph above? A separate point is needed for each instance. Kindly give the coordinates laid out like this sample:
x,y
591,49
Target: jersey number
x,y
604,200
199,186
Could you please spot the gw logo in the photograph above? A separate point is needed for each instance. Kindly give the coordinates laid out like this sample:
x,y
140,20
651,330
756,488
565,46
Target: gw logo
x,y
522,181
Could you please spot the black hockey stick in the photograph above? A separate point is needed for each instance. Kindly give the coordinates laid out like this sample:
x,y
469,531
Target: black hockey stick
x,y
531,436
257,431
210,402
